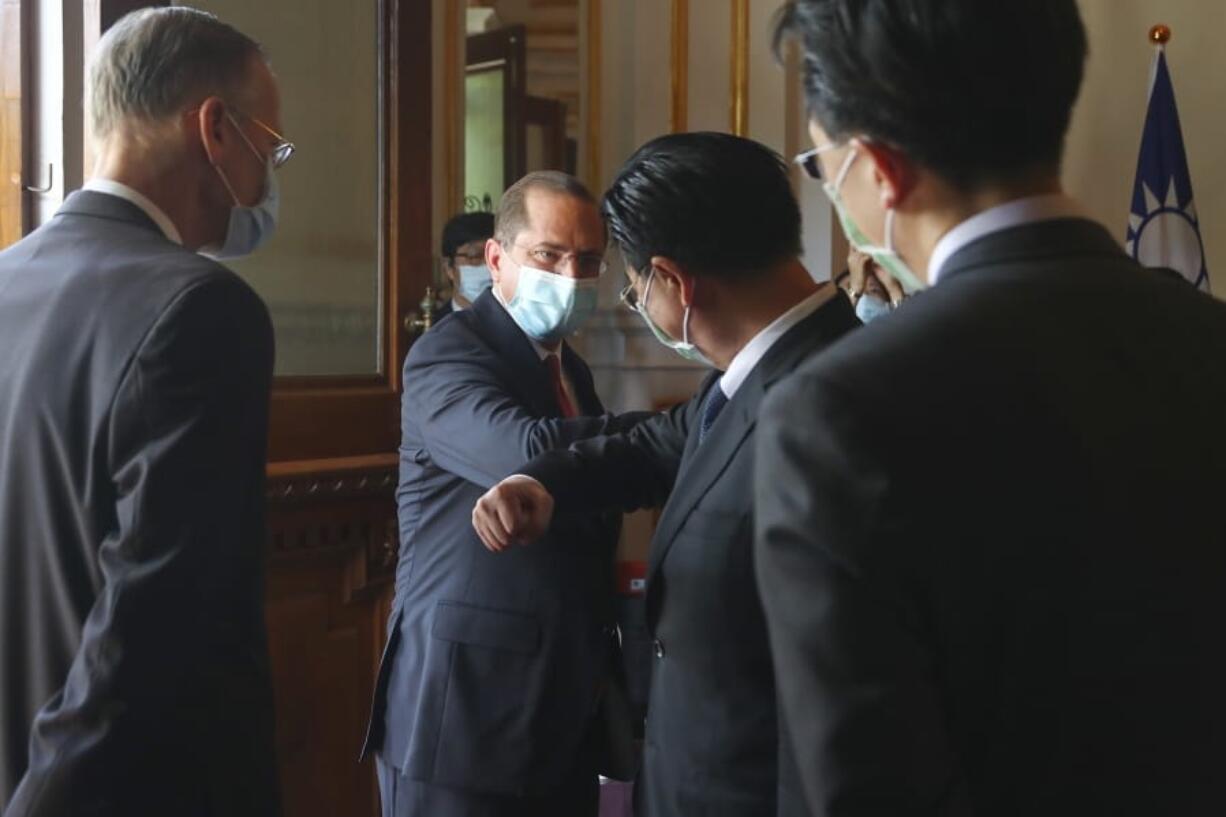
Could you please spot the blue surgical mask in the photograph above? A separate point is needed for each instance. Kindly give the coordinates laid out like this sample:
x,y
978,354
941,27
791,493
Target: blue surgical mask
x,y
682,347
548,306
870,307
473,281
249,227
886,257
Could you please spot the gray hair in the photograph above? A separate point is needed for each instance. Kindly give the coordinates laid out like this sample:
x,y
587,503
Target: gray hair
x,y
512,214
154,62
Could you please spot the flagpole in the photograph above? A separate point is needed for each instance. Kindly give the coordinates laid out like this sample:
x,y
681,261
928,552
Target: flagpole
x,y
1159,35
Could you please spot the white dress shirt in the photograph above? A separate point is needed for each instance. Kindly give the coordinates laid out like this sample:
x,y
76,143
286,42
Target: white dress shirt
x,y
155,213
753,352
1001,217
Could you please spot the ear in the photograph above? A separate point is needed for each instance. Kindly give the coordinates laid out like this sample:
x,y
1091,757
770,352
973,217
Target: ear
x,y
211,121
493,258
673,276
893,171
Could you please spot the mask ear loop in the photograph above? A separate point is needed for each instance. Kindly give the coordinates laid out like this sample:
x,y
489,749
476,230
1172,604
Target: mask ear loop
x,y
685,324
250,146
845,169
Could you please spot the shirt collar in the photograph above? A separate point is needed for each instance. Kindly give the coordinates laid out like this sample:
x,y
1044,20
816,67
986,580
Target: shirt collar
x,y
753,352
158,216
1001,217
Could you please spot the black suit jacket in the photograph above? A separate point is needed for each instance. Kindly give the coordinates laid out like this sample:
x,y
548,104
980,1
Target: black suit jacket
x,y
991,544
490,677
133,419
711,744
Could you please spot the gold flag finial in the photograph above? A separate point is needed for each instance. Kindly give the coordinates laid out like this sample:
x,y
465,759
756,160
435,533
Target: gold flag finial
x,y
1160,34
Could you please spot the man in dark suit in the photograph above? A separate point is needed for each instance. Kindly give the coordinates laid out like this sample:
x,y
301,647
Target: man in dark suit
x,y
463,253
710,231
133,420
497,672
990,538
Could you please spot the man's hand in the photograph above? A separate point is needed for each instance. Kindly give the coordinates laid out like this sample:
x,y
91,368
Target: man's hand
x,y
866,276
517,510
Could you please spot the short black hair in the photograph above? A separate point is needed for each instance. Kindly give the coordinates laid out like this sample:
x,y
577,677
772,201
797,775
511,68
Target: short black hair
x,y
465,228
717,204
978,91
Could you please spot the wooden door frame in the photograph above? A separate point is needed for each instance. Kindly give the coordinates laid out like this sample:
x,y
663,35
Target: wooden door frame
x,y
325,417
506,46
550,115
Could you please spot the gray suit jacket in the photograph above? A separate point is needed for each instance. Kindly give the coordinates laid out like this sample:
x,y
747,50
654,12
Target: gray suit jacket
x,y
991,547
134,386
494,661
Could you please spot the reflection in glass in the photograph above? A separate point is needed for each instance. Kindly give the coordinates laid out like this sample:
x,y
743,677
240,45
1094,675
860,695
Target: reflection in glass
x,y
321,274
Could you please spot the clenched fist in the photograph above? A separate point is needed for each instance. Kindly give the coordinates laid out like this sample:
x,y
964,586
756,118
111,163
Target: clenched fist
x,y
517,510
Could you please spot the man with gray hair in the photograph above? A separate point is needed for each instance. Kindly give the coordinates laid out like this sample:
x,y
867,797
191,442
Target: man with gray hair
x,y
133,421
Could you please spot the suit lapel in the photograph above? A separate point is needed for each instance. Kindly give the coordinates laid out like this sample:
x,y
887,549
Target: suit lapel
x,y
530,379
703,465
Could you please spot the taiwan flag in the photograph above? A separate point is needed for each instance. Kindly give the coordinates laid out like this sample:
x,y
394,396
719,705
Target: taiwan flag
x,y
1163,230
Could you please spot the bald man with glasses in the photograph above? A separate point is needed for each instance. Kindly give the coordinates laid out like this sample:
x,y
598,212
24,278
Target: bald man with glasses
x,y
134,390
498,695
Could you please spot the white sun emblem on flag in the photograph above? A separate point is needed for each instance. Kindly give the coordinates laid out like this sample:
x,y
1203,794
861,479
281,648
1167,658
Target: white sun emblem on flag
x,y
1167,235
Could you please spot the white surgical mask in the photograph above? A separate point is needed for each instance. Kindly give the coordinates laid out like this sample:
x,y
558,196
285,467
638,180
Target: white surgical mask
x,y
249,228
548,306
887,257
474,280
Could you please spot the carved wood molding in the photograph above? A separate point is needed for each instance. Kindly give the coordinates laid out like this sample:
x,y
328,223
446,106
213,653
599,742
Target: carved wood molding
x,y
332,479
342,510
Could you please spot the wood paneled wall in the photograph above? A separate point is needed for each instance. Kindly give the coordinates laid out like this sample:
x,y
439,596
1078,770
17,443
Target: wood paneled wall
x,y
332,551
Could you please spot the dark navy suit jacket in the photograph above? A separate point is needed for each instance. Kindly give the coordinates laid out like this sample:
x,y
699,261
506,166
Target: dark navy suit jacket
x,y
494,662
712,734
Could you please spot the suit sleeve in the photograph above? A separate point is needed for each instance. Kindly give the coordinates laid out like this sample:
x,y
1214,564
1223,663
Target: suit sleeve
x,y
174,650
619,472
472,426
855,676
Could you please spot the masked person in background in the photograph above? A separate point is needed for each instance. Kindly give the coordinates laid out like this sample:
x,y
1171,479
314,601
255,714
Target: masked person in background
x,y
492,698
134,390
463,253
873,292
710,231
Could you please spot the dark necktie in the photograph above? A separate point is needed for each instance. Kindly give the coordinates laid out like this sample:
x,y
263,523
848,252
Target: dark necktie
x,y
559,391
711,407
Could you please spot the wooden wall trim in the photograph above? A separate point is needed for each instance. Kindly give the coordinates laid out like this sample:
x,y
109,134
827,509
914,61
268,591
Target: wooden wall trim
x,y
680,47
739,104
595,82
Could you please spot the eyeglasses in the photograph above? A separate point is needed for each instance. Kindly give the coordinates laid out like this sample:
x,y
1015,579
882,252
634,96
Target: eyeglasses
x,y
587,264
282,149
809,163
629,296
474,257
